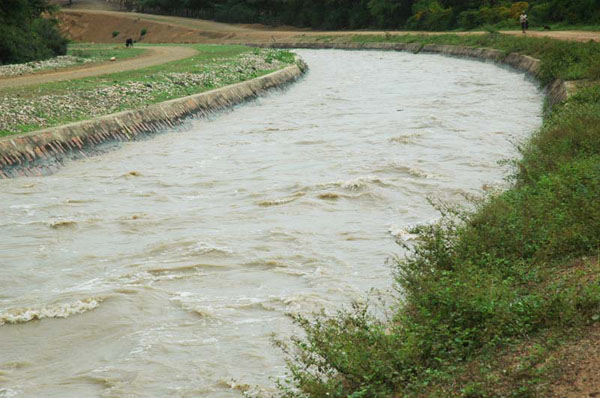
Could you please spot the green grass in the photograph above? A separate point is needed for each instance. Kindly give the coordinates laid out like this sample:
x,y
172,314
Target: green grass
x,y
217,65
487,296
103,52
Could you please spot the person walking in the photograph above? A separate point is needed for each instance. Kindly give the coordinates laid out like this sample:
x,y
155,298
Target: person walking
x,y
524,22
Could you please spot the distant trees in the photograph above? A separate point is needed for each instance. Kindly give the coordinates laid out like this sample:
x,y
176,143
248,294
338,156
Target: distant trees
x,y
25,34
383,14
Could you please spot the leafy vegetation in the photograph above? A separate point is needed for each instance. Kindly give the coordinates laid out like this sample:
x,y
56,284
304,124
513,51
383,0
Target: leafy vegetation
x,y
387,14
25,34
486,295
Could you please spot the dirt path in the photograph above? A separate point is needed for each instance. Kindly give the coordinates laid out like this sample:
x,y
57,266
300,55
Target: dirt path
x,y
153,56
96,26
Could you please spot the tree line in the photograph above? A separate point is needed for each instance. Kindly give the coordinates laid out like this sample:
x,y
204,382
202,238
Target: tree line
x,y
382,14
27,33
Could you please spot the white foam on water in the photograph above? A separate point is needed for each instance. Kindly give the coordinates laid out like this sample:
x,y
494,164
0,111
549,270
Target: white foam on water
x,y
64,310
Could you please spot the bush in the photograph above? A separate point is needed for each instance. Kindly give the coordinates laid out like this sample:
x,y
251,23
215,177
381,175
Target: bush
x,y
25,35
430,15
48,35
540,13
115,33
41,40
235,11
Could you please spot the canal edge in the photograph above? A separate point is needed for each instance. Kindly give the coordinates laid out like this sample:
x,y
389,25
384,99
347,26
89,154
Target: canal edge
x,y
43,151
556,92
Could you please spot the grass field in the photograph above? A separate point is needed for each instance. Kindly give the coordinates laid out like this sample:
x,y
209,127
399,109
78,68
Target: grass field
x,y
103,52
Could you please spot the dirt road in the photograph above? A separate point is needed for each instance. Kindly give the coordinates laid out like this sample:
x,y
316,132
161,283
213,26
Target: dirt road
x,y
155,55
97,26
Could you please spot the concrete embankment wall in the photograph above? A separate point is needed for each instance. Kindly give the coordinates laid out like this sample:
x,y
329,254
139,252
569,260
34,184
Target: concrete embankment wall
x,y
40,152
556,92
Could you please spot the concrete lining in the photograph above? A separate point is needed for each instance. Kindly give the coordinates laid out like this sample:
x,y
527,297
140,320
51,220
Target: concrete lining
x,y
40,152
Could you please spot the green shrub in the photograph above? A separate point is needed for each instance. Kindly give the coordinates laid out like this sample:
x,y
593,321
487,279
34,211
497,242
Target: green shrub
x,y
25,35
430,15
40,40
115,33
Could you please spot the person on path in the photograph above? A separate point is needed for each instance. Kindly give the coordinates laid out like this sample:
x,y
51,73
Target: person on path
x,y
524,21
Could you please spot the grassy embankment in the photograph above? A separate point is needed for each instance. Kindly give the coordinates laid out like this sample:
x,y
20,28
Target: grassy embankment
x,y
102,52
32,108
489,298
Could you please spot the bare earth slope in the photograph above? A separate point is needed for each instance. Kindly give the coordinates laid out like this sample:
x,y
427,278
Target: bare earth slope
x,y
97,26
154,56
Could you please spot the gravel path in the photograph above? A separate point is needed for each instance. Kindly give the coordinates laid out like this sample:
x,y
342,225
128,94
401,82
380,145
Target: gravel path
x,y
155,55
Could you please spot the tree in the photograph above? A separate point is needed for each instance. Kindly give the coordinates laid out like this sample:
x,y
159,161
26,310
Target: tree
x,y
25,35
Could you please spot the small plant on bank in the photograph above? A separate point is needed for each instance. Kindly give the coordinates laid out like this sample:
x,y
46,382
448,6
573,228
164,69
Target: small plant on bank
x,y
143,32
115,33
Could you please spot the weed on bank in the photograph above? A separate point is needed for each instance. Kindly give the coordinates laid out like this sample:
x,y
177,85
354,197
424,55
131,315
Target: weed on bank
x,y
488,296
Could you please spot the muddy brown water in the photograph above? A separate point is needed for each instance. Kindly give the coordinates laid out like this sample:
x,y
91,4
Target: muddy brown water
x,y
162,269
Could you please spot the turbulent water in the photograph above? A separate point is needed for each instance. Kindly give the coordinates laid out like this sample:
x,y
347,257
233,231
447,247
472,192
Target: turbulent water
x,y
162,269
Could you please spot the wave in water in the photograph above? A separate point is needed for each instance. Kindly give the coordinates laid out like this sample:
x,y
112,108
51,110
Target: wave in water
x,y
358,183
411,171
62,310
281,201
333,196
405,139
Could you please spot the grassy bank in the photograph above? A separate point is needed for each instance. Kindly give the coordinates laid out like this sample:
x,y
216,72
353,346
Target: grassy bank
x,y
32,108
492,301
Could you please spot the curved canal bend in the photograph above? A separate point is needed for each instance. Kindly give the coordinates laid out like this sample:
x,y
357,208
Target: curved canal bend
x,y
161,269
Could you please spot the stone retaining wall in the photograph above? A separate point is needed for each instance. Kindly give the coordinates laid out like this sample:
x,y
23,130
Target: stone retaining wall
x,y
40,152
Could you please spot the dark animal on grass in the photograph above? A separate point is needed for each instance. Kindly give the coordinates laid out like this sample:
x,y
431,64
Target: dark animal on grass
x,y
129,43
546,27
